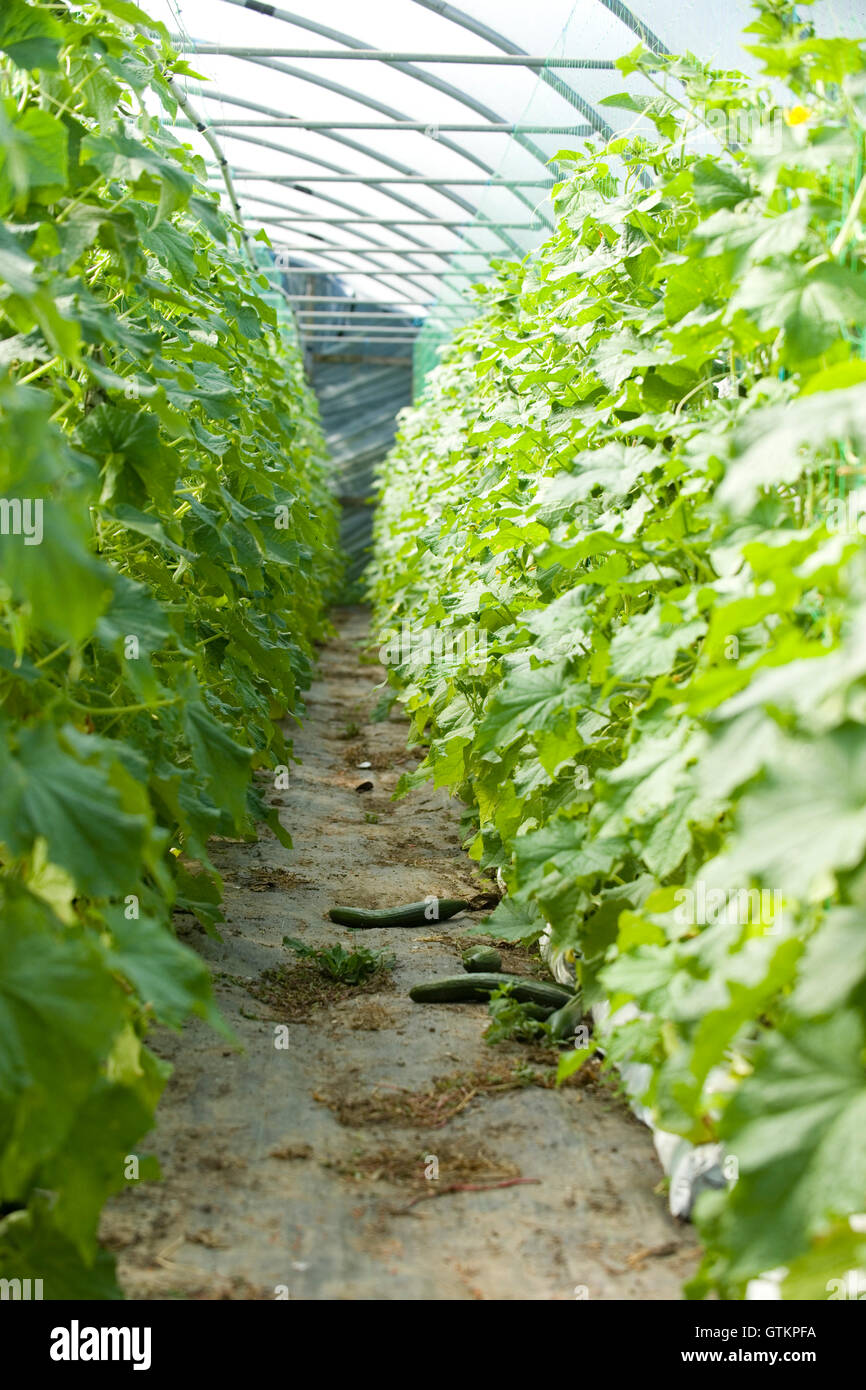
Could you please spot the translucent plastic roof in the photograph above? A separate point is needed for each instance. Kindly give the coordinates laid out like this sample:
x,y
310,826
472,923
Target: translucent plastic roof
x,y
406,170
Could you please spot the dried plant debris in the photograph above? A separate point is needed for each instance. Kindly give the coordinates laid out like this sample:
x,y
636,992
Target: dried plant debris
x,y
291,1152
369,1016
446,1096
294,992
267,878
416,1167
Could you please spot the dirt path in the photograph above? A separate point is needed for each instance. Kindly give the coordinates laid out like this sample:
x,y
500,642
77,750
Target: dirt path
x,y
291,1171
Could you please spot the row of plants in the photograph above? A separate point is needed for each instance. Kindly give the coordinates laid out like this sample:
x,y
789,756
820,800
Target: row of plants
x,y
166,548
620,538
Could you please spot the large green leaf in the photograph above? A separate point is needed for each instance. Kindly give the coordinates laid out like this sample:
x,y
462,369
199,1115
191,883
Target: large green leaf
x,y
31,37
810,307
224,762
75,808
33,156
168,977
796,1127
60,1011
805,822
528,700
776,445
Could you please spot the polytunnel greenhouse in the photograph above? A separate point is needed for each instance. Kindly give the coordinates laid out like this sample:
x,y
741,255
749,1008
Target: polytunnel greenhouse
x,y
432,667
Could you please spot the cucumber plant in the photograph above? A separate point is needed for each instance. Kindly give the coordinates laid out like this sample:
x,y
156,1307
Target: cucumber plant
x,y
630,498
166,548
351,967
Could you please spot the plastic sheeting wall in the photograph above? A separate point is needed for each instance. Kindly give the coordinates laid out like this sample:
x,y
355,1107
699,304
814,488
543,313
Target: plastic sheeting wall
x,y
359,404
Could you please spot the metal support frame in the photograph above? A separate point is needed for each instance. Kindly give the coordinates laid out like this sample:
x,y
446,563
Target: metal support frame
x,y
417,245
427,78
505,45
407,236
334,266
637,26
377,55
393,222
330,249
298,180
447,193
357,359
510,54
463,21
428,128
351,48
378,342
282,206
374,269
364,314
379,248
311,270
329,133
344,176
392,315
350,299
406,331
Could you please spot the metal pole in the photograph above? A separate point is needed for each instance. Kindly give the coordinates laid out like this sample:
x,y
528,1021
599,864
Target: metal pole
x,y
563,90
329,337
349,299
377,55
391,250
329,250
313,319
364,314
297,180
378,270
428,128
350,207
374,270
404,222
436,273
334,330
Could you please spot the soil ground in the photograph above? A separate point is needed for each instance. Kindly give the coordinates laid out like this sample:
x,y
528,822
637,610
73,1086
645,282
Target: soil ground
x,y
305,1170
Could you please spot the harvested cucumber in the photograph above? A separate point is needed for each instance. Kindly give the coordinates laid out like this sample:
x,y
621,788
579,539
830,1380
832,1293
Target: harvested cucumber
x,y
563,1023
482,958
411,915
541,1012
466,989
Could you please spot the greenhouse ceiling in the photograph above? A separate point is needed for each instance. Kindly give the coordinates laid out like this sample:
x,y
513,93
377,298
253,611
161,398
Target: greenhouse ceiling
x,y
401,144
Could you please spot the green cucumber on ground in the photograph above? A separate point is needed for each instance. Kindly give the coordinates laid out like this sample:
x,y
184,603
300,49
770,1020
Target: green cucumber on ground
x,y
482,958
410,915
541,1012
467,989
563,1023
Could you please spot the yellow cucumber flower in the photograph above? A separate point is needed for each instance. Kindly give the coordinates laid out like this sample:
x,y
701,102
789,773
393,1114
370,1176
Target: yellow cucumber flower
x,y
797,115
